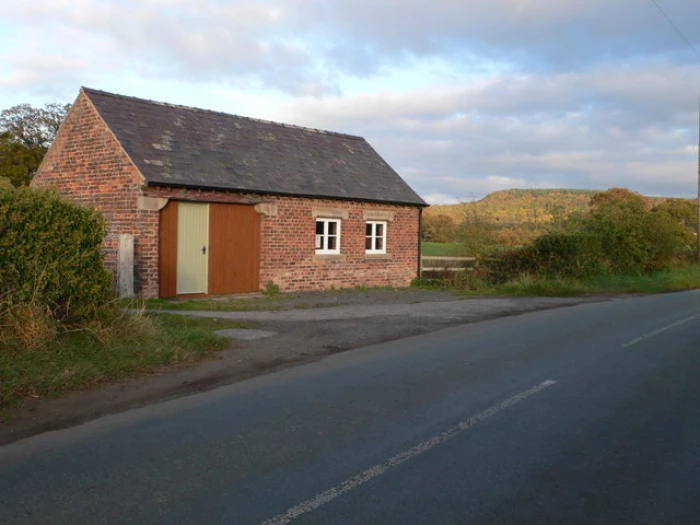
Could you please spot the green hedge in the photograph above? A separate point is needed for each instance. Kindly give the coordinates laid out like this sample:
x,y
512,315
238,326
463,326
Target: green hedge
x,y
50,255
571,254
617,237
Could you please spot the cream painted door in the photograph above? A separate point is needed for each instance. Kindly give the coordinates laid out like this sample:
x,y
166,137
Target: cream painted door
x,y
192,248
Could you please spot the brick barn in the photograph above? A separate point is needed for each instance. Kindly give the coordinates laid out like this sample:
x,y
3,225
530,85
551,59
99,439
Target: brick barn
x,y
218,204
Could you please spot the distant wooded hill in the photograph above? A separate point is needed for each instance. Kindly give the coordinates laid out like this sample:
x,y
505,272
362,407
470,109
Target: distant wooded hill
x,y
518,207
508,217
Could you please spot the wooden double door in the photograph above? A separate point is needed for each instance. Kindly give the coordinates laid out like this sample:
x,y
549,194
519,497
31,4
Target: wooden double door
x,y
208,248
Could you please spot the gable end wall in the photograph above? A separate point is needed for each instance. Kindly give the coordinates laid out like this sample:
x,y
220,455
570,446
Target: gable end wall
x,y
87,165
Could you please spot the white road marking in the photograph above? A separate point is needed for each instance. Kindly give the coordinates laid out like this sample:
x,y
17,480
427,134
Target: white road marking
x,y
660,330
377,470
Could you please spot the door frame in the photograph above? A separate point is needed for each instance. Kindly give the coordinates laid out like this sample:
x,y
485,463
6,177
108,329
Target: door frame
x,y
192,275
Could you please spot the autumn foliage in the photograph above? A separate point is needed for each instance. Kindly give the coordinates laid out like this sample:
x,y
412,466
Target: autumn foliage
x,y
620,233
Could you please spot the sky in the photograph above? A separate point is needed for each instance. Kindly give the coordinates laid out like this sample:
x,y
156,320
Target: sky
x,y
460,97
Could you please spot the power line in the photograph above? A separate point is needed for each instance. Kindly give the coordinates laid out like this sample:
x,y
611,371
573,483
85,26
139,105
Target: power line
x,y
675,28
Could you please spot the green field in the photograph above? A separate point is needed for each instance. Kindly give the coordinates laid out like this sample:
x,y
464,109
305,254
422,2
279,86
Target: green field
x,y
442,249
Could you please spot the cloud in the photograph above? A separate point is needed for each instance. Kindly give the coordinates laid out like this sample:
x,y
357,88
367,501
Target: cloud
x,y
291,45
462,97
599,128
40,70
539,34
440,198
246,43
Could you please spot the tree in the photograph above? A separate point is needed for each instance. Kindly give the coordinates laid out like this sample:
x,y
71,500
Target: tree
x,y
17,162
619,234
25,136
5,184
618,201
439,228
633,236
685,211
477,234
33,127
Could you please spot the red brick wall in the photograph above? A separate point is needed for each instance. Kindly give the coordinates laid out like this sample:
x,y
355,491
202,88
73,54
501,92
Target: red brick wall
x,y
87,165
288,247
287,244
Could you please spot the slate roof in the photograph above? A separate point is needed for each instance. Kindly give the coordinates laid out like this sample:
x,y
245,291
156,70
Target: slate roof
x,y
189,147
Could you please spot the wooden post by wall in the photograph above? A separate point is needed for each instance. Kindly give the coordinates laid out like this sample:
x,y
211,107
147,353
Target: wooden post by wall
x,y
125,265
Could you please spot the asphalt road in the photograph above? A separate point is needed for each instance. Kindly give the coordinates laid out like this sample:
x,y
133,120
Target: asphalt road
x,y
586,414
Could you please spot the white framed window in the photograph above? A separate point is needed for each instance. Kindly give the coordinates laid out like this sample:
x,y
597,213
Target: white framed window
x,y
327,236
375,237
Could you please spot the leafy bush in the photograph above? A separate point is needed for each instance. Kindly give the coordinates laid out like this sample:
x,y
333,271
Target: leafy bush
x,y
438,228
619,235
509,265
673,241
50,261
572,254
633,237
272,288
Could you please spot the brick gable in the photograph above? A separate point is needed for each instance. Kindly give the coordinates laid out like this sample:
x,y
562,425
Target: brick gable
x,y
87,165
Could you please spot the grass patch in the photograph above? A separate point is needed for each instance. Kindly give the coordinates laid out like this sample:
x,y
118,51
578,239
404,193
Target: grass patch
x,y
221,305
361,288
669,280
442,249
528,286
134,344
273,302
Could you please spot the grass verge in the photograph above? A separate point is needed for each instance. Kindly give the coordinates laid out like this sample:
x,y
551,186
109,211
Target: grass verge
x,y
670,280
673,280
275,302
221,305
135,344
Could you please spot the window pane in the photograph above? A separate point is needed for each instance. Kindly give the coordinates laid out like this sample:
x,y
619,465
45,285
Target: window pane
x,y
319,242
319,227
380,243
368,229
380,230
332,227
368,243
332,242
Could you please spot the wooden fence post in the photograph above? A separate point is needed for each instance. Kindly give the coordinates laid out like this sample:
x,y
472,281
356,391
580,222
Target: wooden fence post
x,y
125,265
